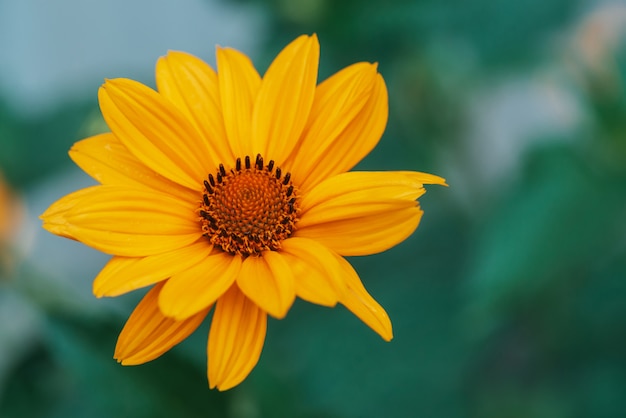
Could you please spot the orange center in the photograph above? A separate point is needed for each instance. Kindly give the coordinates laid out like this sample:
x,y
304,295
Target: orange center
x,y
249,209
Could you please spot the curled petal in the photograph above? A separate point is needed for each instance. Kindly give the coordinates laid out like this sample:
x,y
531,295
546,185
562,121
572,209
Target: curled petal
x,y
317,274
235,340
361,304
192,290
268,281
148,333
123,274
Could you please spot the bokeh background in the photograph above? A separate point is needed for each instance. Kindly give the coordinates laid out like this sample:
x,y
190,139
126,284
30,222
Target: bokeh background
x,y
510,299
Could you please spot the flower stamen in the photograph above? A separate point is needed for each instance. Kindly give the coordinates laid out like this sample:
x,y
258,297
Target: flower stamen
x,y
248,209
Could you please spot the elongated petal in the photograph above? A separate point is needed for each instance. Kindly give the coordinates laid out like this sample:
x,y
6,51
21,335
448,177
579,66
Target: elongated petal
x,y
236,339
53,217
365,235
154,130
268,281
197,287
317,274
123,274
348,118
360,213
402,185
360,193
285,98
192,86
124,221
338,101
239,83
361,304
108,161
148,333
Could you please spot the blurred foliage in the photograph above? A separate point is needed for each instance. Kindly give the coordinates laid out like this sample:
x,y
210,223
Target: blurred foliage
x,y
73,374
508,303
31,147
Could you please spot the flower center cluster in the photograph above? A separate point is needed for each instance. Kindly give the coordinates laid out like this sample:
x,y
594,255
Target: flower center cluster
x,y
250,208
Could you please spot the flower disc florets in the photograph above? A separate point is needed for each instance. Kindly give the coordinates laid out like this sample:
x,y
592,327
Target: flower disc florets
x,y
250,208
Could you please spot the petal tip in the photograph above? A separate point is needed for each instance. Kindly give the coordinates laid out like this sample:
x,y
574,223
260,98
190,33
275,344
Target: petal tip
x,y
439,181
387,336
223,387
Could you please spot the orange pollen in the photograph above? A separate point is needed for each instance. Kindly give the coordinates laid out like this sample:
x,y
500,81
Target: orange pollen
x,y
249,209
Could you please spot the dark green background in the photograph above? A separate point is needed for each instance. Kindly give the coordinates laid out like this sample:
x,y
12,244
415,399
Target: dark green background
x,y
510,299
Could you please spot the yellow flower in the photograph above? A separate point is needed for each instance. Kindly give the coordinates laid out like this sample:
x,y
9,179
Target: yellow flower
x,y
10,217
231,190
5,212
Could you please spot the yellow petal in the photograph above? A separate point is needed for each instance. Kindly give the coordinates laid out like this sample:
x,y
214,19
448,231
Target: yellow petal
x,y
154,130
199,286
192,86
360,213
235,340
124,221
338,101
348,118
108,161
238,85
361,193
317,274
365,235
268,281
361,304
53,216
284,100
148,333
123,274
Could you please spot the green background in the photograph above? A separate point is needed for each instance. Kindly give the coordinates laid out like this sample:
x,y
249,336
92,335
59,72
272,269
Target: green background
x,y
508,301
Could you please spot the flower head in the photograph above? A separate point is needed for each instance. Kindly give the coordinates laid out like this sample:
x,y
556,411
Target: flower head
x,y
231,191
